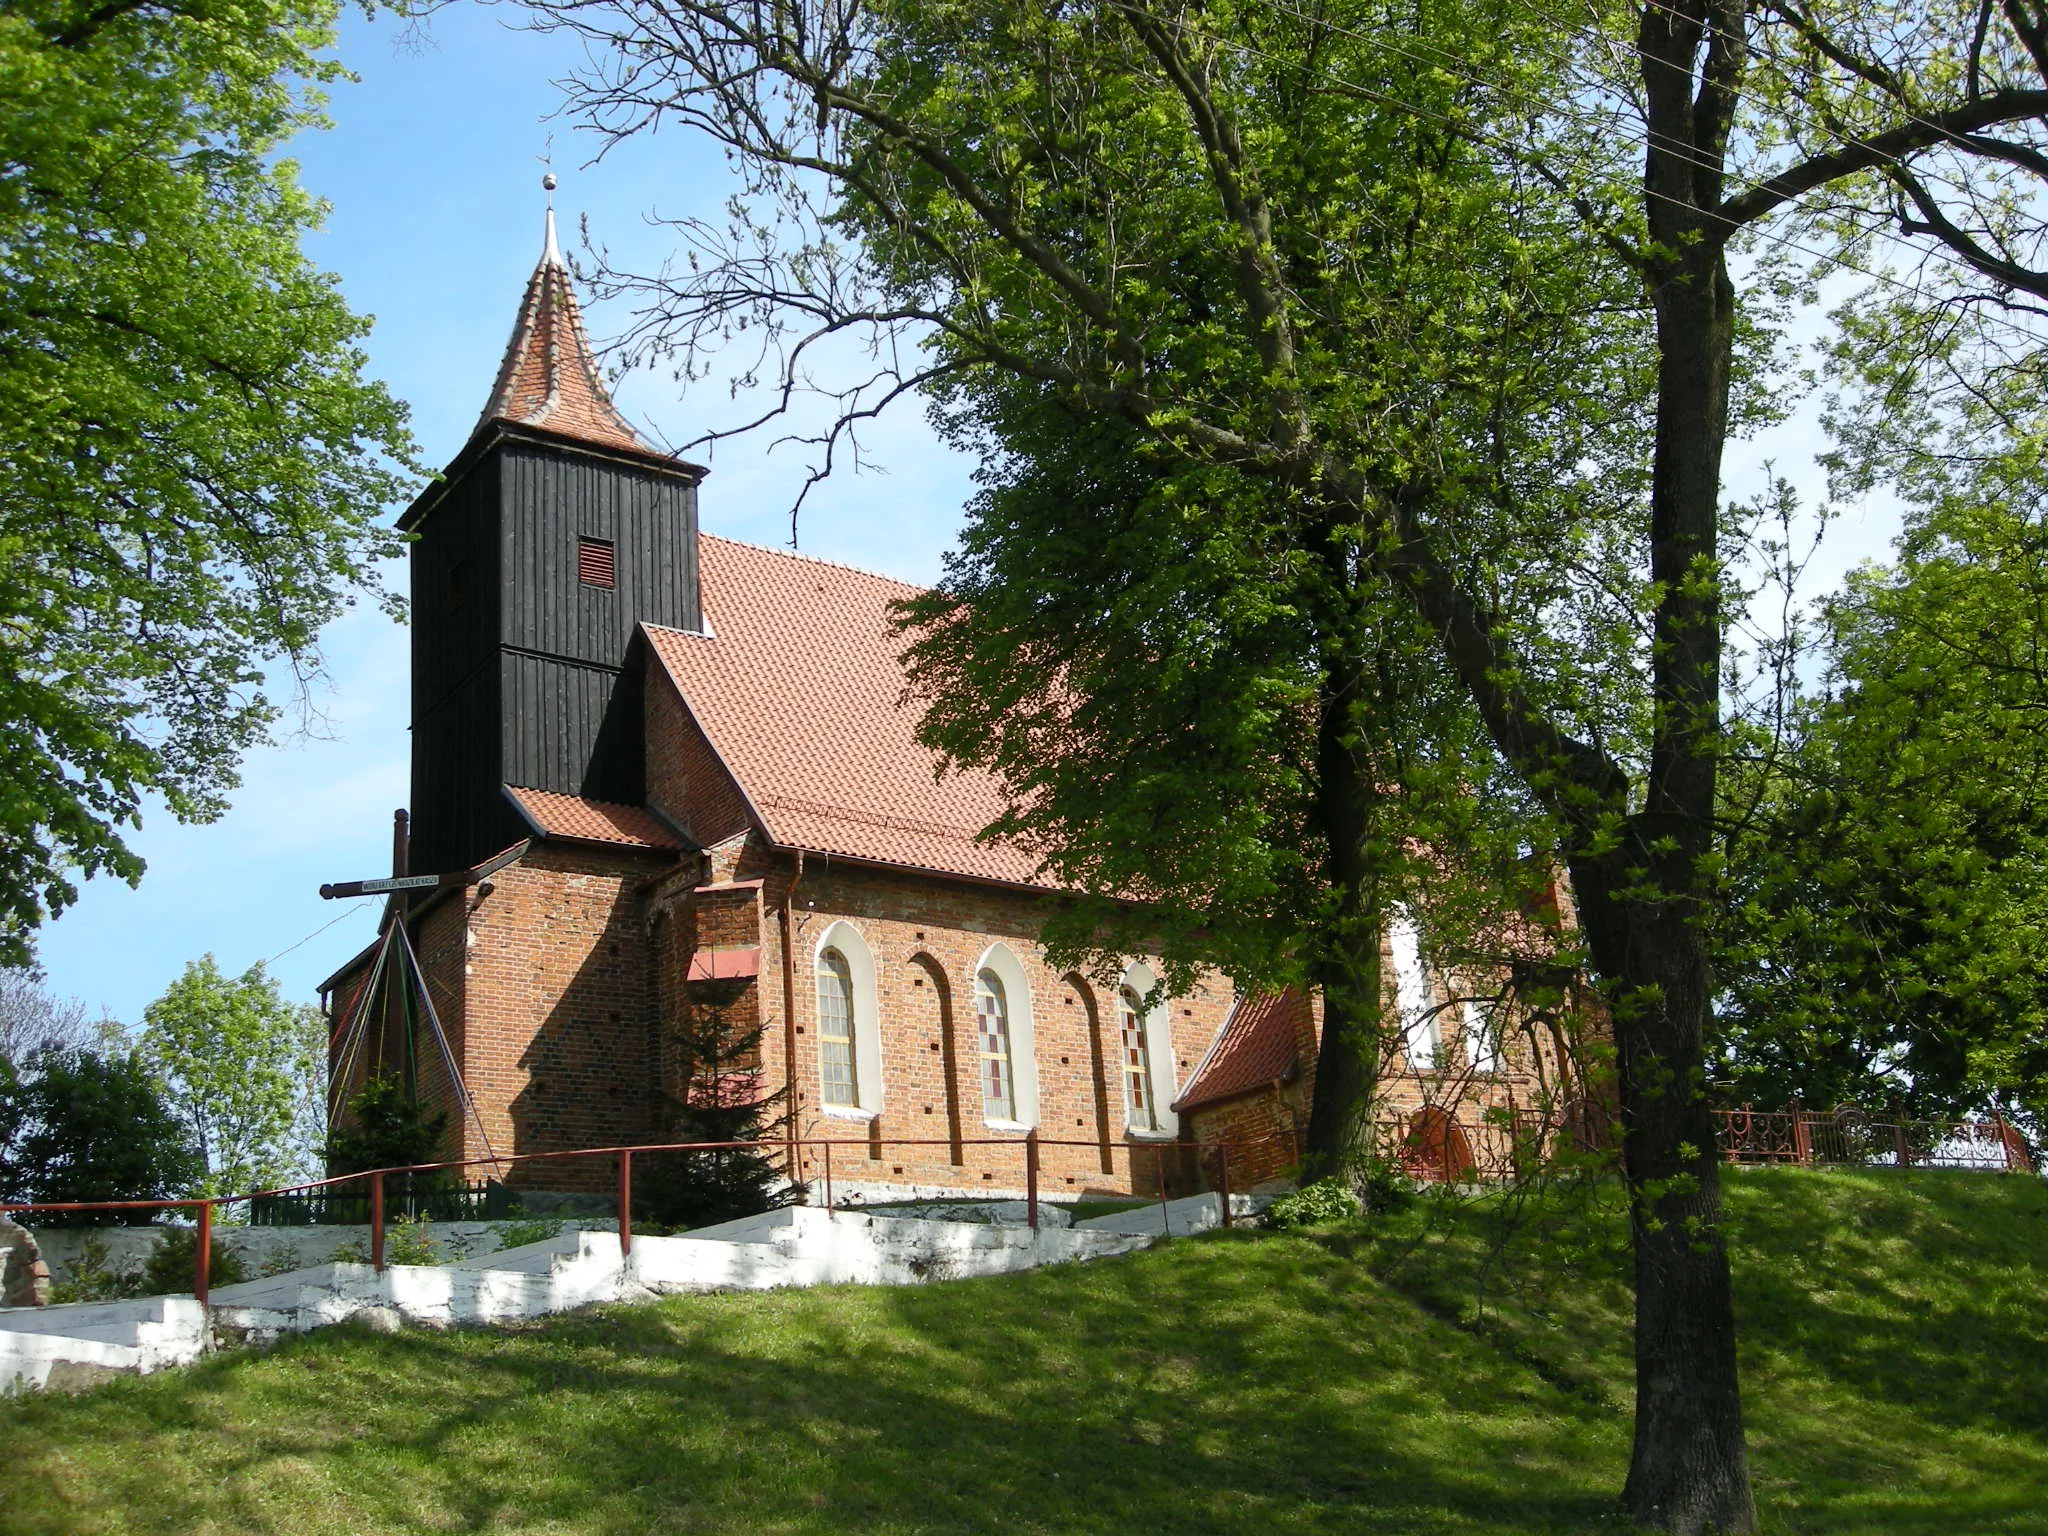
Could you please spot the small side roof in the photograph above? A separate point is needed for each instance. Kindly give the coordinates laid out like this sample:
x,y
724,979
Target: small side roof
x,y
799,688
1258,1045
593,821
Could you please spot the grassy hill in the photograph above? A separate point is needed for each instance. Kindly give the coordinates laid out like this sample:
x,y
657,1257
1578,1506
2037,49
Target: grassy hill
x,y
1463,1371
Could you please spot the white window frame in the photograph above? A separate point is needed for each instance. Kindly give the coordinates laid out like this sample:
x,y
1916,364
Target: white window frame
x,y
867,1020
1157,1021
1413,996
1485,1046
1006,968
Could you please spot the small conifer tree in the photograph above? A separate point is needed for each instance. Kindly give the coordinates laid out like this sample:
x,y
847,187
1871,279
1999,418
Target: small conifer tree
x,y
384,1127
715,1067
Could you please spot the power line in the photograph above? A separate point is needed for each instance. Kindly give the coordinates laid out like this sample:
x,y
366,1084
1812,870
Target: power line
x,y
1644,141
309,938
1621,85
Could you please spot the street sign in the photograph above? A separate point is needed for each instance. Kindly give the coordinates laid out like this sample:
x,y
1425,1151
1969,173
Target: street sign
x,y
390,883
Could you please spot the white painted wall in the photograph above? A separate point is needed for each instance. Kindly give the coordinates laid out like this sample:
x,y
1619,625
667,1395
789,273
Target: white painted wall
x,y
65,1346
130,1247
1412,991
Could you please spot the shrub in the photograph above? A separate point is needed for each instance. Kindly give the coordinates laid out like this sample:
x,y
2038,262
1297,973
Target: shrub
x,y
93,1125
169,1271
1384,1184
94,1278
517,1234
716,1066
384,1128
407,1241
1325,1200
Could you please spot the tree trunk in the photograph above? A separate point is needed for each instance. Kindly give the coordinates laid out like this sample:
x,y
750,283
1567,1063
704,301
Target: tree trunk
x,y
1645,902
1688,1471
1340,1140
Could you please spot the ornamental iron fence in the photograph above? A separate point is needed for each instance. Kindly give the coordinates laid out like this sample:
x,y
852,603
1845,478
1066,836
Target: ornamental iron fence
x,y
1849,1136
485,1200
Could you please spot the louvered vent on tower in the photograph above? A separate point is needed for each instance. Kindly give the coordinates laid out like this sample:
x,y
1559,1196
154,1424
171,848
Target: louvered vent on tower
x,y
596,562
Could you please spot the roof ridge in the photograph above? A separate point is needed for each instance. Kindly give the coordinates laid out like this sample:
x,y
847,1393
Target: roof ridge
x,y
797,554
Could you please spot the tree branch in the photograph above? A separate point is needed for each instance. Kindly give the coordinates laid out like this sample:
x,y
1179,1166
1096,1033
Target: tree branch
x,y
1917,133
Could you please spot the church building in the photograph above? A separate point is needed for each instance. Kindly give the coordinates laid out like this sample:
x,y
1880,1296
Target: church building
x,y
666,776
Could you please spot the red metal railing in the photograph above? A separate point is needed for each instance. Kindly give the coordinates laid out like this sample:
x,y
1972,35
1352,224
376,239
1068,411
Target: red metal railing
x,y
1030,1145
1463,1150
1851,1137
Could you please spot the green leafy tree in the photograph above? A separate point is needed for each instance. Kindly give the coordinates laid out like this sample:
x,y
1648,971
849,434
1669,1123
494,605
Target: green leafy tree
x,y
12,1114
93,1126
1891,874
1108,202
1257,746
240,1064
196,459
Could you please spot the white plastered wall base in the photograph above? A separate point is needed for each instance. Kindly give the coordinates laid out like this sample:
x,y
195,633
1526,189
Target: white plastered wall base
x,y
76,1345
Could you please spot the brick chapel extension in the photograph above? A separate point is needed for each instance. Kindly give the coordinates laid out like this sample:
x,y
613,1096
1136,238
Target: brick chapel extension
x,y
688,769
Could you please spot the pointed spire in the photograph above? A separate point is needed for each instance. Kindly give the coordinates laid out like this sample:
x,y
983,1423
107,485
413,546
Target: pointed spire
x,y
549,377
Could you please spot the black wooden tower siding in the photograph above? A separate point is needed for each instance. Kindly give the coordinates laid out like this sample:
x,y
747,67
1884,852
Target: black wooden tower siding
x,y
519,649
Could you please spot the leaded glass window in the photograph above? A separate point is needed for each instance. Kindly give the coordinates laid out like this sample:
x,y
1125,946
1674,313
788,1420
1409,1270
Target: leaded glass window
x,y
992,1042
835,1030
1138,1105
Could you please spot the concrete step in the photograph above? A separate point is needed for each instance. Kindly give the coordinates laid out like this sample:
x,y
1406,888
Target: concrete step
x,y
799,1245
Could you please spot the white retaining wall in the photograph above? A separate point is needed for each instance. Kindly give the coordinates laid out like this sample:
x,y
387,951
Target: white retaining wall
x,y
800,1246
129,1248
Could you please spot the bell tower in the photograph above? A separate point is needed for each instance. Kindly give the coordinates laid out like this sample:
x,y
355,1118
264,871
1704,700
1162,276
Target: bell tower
x,y
550,537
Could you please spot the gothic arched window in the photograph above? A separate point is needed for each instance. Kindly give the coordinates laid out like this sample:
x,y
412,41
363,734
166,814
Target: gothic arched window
x,y
1141,1105
992,1047
836,1056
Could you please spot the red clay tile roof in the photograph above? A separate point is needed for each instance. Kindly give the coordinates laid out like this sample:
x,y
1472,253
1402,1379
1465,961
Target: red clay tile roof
x,y
1258,1045
549,378
799,689
592,821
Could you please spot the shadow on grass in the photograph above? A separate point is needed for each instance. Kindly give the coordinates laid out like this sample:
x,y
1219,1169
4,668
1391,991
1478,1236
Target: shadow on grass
x,y
1924,1288
1893,1354
1219,1386
1892,1328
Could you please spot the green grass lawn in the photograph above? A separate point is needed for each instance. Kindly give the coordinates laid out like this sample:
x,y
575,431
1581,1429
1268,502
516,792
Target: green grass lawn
x,y
1460,1372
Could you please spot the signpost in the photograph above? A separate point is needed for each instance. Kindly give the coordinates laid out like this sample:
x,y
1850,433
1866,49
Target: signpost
x,y
341,888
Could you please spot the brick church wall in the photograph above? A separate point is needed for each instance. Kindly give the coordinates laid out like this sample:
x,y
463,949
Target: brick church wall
x,y
440,939
686,782
1482,1104
1262,1131
556,989
926,935
561,1013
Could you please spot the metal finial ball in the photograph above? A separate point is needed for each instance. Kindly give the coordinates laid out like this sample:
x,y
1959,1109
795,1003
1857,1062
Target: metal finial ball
x,y
548,181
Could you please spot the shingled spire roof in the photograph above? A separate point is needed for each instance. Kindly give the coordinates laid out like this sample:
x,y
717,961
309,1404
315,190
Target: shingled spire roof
x,y
549,378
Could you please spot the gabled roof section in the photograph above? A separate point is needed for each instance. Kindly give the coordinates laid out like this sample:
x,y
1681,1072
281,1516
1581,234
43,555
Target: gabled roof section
x,y
798,687
549,378
1259,1045
592,821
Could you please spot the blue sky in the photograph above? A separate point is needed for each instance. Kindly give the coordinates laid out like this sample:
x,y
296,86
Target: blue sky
x,y
433,170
